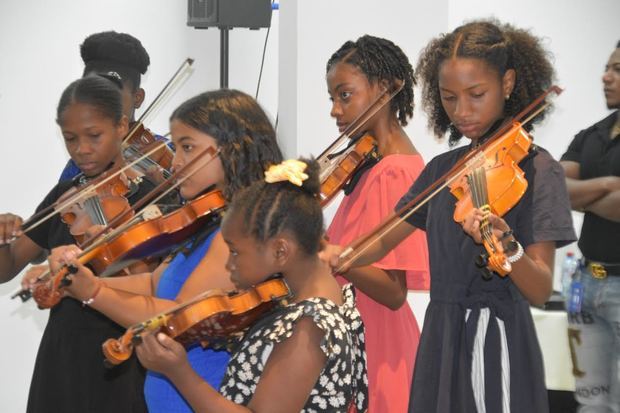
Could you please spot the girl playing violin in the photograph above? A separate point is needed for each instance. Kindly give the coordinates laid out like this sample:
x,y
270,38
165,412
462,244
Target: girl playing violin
x,y
68,375
102,53
304,356
356,74
114,52
478,350
234,124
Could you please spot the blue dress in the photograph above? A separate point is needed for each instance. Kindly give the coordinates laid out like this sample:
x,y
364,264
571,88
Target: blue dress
x,y
160,393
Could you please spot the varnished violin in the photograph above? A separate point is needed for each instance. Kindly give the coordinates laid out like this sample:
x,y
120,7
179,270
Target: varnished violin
x,y
337,167
119,244
141,140
210,318
157,236
487,177
494,186
98,206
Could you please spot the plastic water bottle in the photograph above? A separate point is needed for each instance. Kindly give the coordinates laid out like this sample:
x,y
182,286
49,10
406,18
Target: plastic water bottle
x,y
569,267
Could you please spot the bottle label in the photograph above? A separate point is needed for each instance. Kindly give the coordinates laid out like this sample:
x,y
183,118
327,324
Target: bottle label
x,y
576,297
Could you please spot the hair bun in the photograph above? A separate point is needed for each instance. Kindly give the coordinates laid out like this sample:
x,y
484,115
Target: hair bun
x,y
116,47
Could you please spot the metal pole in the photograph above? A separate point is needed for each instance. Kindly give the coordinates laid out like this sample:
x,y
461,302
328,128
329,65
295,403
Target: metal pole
x,y
224,56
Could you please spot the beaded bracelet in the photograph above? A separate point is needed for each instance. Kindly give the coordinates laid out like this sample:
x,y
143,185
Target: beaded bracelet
x,y
517,255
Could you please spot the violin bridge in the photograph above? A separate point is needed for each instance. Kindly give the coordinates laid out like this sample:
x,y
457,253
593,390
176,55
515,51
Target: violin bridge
x,y
151,212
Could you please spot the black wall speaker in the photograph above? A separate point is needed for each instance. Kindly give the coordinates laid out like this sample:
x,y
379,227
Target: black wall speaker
x,y
252,14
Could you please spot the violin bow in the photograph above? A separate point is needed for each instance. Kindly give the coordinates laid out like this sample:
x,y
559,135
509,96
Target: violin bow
x,y
363,117
358,247
26,294
83,193
187,63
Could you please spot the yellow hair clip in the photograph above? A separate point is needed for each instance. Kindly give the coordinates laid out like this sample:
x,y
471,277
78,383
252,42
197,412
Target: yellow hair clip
x,y
291,170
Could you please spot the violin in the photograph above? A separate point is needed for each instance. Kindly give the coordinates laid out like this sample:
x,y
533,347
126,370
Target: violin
x,y
487,177
494,187
214,317
48,291
360,151
126,243
337,168
158,235
141,140
97,206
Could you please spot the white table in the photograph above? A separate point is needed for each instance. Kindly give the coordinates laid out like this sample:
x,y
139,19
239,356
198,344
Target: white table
x,y
551,328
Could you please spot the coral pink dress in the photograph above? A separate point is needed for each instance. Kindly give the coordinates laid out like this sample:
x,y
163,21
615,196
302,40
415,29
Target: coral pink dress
x,y
391,336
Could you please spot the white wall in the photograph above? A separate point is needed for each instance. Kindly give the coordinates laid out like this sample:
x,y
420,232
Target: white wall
x,y
39,57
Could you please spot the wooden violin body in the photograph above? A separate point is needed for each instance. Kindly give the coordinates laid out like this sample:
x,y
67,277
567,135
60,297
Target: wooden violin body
x,y
506,182
211,317
152,237
494,183
335,174
140,141
155,237
95,207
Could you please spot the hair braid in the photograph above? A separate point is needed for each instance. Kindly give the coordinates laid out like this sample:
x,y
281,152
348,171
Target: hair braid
x,y
269,209
381,60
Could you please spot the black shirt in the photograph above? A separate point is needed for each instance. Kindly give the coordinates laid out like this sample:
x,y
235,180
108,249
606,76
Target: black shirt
x,y
542,214
69,374
598,156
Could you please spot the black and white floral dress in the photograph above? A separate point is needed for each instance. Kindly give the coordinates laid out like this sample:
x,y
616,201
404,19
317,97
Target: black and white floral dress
x,y
342,382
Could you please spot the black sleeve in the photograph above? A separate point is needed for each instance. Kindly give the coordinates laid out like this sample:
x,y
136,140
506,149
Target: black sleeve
x,y
41,233
545,215
418,218
573,153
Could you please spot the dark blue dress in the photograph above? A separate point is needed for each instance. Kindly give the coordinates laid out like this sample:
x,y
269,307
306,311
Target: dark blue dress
x,y
466,312
160,393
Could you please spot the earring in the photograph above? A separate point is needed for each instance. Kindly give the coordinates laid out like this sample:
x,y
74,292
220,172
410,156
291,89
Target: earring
x,y
507,97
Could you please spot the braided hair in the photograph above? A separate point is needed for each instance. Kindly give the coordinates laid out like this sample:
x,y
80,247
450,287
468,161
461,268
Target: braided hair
x,y
380,59
115,52
502,47
268,209
244,134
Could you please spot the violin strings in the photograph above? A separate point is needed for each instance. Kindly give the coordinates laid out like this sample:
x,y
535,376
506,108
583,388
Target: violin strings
x,y
132,152
147,199
89,189
354,250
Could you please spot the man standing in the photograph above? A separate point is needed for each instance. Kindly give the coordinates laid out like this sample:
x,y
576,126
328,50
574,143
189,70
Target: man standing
x,y
592,168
